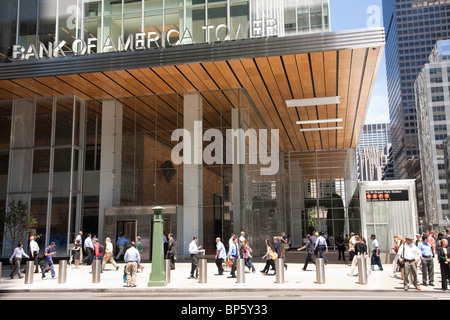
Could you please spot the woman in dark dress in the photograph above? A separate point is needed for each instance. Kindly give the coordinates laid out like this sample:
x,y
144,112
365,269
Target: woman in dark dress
x,y
77,253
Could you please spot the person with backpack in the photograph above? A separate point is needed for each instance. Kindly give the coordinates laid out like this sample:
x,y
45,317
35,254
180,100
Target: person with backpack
x,y
99,250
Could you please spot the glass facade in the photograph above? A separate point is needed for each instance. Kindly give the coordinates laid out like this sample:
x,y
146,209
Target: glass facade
x,y
58,150
65,27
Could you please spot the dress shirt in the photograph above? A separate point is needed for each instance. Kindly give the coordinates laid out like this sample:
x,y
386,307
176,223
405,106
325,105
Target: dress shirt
x,y
132,255
34,246
375,244
425,249
193,248
409,252
221,248
18,253
121,241
109,247
88,243
321,242
233,252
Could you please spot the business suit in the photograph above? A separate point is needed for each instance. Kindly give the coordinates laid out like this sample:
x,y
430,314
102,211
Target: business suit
x,y
171,252
443,256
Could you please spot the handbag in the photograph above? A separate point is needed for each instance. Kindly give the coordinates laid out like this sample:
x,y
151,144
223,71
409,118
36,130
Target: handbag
x,y
230,262
273,255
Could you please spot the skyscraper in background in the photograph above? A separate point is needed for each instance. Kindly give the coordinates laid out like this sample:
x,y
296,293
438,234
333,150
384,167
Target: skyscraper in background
x,y
412,29
373,151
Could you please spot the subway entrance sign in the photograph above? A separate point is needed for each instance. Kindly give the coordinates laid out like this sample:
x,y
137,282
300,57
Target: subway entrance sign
x,y
387,195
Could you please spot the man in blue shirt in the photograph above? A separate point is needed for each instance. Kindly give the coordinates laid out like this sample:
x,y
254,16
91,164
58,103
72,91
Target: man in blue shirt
x,y
233,255
427,261
220,255
121,242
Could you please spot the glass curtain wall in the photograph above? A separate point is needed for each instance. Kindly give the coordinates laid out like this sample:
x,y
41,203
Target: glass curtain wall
x,y
112,25
319,193
45,164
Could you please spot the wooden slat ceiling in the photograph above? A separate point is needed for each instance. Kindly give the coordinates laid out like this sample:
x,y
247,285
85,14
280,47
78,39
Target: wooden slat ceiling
x,y
269,82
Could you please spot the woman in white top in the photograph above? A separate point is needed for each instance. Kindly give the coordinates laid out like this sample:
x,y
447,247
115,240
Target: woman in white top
x,y
17,259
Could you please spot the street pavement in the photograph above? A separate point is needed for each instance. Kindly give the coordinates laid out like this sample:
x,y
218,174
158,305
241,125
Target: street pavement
x,y
336,279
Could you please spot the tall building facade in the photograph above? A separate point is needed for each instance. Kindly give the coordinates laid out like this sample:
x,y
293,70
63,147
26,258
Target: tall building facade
x,y
412,29
373,151
233,115
433,118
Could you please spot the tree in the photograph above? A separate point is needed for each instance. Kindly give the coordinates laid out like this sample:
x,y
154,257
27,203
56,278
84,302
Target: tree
x,y
18,222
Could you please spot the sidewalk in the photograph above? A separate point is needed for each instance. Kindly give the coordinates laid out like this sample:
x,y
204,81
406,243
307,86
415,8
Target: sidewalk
x,y
295,279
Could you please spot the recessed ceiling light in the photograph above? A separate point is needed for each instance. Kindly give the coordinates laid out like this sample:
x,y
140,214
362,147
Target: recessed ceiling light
x,y
313,101
319,121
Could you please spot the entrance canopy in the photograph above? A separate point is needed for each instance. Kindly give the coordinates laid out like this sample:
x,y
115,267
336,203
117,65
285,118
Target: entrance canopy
x,y
314,88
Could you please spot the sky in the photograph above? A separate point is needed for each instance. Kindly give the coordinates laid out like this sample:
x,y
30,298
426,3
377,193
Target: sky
x,y
361,14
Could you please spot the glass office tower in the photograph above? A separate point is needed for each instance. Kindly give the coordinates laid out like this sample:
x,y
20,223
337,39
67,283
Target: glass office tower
x,y
93,95
412,29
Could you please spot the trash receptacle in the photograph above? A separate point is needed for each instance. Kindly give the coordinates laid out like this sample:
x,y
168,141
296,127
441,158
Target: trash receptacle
x,y
320,270
62,271
240,269
279,263
29,272
362,269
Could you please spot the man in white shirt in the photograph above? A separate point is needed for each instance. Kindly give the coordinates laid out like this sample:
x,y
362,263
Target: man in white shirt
x,y
321,246
34,252
410,255
16,258
89,248
108,257
193,251
375,259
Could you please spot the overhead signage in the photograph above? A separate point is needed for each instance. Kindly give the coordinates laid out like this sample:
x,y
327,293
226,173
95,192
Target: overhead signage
x,y
387,195
142,40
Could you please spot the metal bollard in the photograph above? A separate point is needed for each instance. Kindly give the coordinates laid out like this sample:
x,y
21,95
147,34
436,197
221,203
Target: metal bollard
x,y
202,270
279,270
96,269
240,269
167,269
362,269
62,271
29,272
1,266
320,270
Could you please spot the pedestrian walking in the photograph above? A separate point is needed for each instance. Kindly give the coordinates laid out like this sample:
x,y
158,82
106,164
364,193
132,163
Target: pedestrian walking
x,y
16,259
193,252
410,255
351,246
427,262
233,255
310,256
120,244
34,253
395,265
444,263
321,246
270,255
133,259
99,250
108,256
77,253
89,249
220,256
375,259
171,251
48,260
247,255
361,251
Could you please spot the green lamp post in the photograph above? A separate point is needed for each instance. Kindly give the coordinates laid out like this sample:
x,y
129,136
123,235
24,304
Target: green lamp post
x,y
157,276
